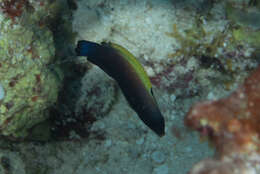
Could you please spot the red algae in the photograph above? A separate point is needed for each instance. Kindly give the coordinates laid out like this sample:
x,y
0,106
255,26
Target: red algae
x,y
13,8
233,125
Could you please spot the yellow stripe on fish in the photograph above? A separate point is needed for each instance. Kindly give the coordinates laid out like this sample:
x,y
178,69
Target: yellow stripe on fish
x,y
136,65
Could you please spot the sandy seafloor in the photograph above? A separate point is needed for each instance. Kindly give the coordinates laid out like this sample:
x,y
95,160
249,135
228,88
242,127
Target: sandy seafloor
x,y
144,27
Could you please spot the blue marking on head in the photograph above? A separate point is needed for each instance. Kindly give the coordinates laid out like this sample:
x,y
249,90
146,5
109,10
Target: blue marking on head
x,y
86,48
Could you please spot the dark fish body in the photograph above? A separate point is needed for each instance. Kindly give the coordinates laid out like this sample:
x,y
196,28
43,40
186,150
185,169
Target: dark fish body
x,y
131,78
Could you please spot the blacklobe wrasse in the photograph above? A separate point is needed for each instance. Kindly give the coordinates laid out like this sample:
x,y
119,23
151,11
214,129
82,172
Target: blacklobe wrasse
x,y
131,77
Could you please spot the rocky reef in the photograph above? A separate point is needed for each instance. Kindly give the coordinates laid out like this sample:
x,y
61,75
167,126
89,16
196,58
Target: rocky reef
x,y
232,125
192,50
28,86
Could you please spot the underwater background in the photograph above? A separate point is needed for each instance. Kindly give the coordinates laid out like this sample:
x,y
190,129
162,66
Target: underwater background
x,y
61,114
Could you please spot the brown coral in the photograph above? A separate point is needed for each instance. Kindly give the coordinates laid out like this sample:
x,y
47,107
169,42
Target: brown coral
x,y
233,125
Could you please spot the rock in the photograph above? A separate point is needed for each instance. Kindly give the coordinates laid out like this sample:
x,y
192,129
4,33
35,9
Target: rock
x,y
163,169
232,124
158,157
26,49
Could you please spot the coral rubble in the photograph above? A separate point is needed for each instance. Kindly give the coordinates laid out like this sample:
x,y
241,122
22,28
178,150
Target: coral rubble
x,y
232,124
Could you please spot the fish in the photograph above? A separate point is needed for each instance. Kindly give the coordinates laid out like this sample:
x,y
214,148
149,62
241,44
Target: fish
x,y
127,71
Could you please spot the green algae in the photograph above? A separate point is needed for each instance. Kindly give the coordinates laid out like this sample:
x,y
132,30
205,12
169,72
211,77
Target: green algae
x,y
250,37
193,40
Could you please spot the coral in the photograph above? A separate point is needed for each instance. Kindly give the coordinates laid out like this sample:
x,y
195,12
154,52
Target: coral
x,y
26,50
232,124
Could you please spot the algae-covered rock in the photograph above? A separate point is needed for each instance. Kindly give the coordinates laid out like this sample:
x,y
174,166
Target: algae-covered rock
x,y
247,21
244,18
98,93
26,49
250,37
11,163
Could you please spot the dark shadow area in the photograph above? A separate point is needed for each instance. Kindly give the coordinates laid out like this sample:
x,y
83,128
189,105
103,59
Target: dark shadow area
x,y
63,119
